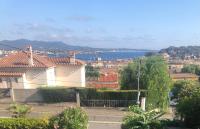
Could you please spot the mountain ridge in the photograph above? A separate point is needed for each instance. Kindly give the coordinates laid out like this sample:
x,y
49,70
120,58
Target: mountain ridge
x,y
53,45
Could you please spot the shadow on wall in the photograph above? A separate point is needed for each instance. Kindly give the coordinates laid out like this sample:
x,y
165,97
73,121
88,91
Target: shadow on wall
x,y
27,95
45,95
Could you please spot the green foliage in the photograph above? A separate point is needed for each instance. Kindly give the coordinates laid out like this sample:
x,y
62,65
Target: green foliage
x,y
19,110
71,118
192,68
183,88
91,71
22,123
58,94
151,54
139,119
171,123
154,78
189,104
128,76
158,83
109,94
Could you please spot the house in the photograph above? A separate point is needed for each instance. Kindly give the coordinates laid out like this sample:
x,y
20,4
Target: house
x,y
175,67
184,76
109,80
26,70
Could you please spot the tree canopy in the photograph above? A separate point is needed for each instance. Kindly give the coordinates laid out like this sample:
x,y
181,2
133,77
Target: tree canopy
x,y
189,103
154,78
92,72
192,68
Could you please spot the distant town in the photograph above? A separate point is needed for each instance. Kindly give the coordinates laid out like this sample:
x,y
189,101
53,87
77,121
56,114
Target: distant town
x,y
99,73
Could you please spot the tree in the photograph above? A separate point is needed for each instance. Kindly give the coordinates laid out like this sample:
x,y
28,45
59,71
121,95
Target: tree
x,y
158,83
182,88
92,72
189,104
192,68
154,78
128,78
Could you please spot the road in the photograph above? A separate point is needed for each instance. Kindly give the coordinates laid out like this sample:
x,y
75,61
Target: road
x,y
99,118
99,125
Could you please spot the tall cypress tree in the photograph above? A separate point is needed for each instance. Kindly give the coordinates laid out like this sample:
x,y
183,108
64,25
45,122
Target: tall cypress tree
x,y
154,78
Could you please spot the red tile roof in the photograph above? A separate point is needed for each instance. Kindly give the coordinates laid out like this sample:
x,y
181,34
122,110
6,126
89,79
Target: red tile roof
x,y
65,60
21,59
106,81
14,74
108,78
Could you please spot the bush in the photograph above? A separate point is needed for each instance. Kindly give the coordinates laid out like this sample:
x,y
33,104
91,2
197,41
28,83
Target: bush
x,y
21,123
172,123
188,106
55,95
71,118
89,94
61,94
139,119
19,110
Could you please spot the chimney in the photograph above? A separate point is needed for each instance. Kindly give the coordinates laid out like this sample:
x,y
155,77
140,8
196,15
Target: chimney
x,y
30,56
72,58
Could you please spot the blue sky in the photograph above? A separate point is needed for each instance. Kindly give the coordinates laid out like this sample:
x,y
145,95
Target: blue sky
x,y
146,24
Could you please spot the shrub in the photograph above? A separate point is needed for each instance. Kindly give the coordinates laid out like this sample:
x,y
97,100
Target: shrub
x,y
172,123
60,94
139,119
188,106
71,118
19,110
22,123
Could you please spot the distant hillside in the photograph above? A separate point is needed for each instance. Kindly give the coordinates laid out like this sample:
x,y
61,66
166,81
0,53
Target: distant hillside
x,y
182,51
40,45
55,46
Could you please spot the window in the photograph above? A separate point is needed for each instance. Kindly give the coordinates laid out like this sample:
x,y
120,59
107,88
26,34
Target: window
x,y
0,80
16,80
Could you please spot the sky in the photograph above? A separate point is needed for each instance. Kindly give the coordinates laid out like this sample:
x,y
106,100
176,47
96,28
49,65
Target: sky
x,y
137,24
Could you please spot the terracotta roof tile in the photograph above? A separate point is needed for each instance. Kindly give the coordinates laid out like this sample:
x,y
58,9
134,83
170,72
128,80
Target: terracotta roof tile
x,y
21,59
106,81
10,74
108,78
65,60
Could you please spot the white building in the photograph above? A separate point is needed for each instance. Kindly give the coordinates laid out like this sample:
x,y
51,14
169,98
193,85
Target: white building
x,y
26,70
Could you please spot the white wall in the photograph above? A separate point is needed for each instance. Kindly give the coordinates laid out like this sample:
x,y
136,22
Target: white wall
x,y
36,77
51,81
70,75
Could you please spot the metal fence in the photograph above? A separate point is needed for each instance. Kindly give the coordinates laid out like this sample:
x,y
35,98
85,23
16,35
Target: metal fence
x,y
107,103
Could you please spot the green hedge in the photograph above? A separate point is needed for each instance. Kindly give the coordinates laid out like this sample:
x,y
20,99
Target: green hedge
x,y
52,95
22,123
109,94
